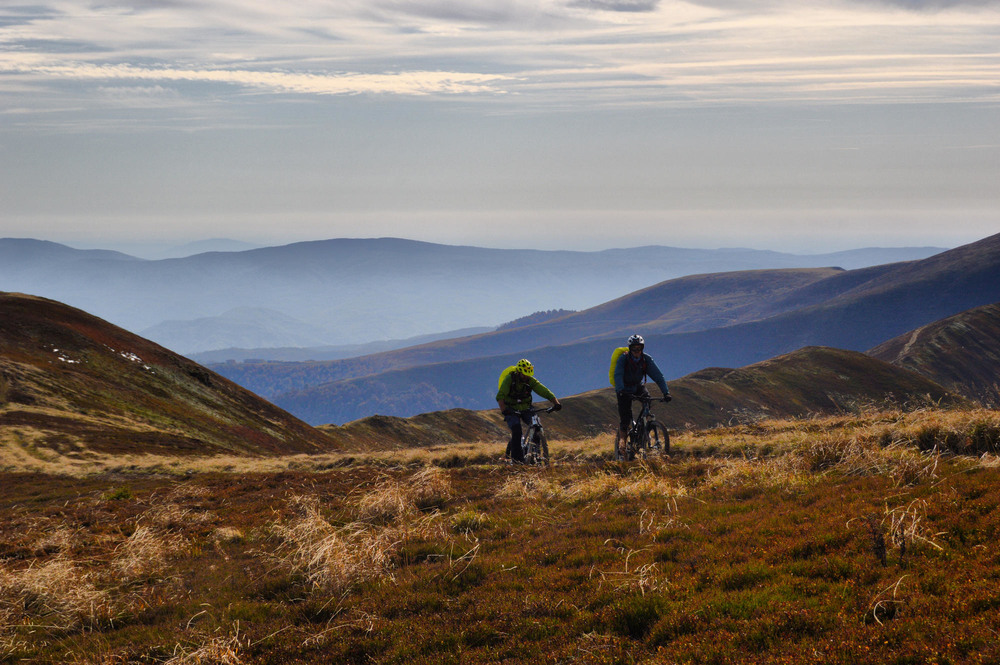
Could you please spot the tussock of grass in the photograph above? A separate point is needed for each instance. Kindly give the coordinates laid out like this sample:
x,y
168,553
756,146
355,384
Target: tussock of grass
x,y
215,651
146,552
227,534
333,559
529,485
173,516
56,594
470,521
399,500
56,539
389,502
430,488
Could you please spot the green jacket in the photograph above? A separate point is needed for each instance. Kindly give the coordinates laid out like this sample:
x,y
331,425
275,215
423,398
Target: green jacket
x,y
516,393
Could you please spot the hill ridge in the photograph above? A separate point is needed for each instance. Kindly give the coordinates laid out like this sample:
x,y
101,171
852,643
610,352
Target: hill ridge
x,y
73,381
806,382
903,296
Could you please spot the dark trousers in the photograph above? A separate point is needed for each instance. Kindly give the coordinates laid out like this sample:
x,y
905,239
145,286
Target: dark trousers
x,y
625,405
514,445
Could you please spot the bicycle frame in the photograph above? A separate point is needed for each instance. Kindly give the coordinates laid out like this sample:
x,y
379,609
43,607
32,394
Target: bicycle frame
x,y
637,439
534,446
645,415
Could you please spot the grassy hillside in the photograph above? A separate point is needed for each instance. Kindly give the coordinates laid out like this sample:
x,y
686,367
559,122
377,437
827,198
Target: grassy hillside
x,y
70,382
866,538
888,303
806,382
961,353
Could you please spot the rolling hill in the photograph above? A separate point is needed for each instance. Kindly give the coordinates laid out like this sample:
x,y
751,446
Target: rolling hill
x,y
854,310
961,353
360,290
74,383
692,302
809,381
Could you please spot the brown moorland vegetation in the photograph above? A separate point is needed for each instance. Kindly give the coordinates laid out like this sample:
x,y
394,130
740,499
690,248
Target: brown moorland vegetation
x,y
73,383
959,353
858,538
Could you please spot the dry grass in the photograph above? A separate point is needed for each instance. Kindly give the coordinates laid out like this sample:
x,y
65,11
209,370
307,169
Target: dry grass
x,y
333,559
57,594
751,539
145,554
173,516
398,500
56,539
215,651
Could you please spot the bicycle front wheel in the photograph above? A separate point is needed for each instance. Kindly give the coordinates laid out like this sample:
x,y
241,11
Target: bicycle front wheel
x,y
531,454
633,444
543,449
658,438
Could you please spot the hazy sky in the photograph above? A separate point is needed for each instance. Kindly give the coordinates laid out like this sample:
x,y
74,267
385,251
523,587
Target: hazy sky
x,y
801,125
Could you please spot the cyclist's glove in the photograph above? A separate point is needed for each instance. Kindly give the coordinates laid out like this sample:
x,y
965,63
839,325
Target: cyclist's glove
x,y
556,407
667,397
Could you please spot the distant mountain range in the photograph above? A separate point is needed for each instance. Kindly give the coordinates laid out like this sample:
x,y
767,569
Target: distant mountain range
x,y
312,353
727,320
349,292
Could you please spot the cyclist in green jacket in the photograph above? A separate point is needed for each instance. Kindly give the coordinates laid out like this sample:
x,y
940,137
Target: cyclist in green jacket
x,y
517,382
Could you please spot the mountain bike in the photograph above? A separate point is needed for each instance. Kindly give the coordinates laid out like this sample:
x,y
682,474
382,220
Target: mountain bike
x,y
534,445
646,436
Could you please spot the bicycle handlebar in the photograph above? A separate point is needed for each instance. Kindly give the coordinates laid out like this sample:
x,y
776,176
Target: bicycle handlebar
x,y
648,400
533,410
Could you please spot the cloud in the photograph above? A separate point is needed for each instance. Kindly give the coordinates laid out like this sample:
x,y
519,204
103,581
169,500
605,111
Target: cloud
x,y
403,83
544,53
936,5
618,5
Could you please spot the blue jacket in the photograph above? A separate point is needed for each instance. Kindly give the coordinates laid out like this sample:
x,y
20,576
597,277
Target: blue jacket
x,y
629,374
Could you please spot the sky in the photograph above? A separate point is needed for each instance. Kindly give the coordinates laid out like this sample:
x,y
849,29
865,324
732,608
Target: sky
x,y
804,125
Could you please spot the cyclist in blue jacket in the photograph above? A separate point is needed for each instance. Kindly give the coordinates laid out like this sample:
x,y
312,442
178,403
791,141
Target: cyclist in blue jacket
x,y
630,381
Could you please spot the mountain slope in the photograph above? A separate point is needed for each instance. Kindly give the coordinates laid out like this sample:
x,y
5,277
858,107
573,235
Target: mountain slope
x,y
814,380
961,353
688,303
856,315
364,290
71,381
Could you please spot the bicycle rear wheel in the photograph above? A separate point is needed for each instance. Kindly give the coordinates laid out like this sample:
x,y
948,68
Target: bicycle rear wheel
x,y
658,438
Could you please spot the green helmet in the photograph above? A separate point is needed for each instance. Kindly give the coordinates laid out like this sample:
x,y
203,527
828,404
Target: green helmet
x,y
525,367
